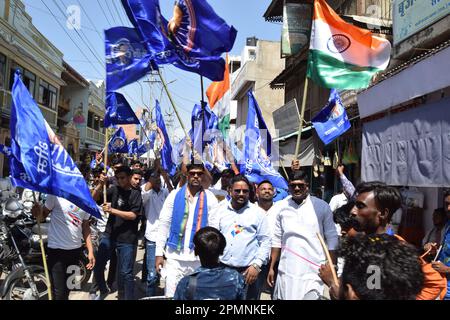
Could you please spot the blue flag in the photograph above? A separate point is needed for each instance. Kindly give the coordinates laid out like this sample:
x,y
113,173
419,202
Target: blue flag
x,y
332,120
5,150
258,166
132,147
199,40
166,150
142,148
39,161
118,143
127,58
118,110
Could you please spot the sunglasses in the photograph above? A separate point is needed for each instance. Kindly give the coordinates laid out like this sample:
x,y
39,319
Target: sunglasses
x,y
238,191
194,173
299,185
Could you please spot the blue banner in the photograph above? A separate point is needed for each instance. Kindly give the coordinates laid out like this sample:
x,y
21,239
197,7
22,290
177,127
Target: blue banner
x,y
39,161
118,143
118,110
166,150
332,121
200,36
258,166
127,58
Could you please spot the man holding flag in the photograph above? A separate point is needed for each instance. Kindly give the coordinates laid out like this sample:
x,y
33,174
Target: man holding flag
x,y
39,162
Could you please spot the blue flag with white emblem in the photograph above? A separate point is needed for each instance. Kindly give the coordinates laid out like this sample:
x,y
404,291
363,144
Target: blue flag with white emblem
x,y
118,143
132,147
39,161
127,57
332,121
118,110
166,149
257,151
195,40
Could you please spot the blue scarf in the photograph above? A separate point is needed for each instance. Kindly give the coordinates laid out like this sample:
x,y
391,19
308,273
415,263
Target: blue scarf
x,y
180,216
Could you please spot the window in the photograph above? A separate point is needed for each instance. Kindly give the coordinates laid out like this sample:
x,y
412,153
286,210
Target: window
x,y
90,122
47,95
252,55
2,70
29,80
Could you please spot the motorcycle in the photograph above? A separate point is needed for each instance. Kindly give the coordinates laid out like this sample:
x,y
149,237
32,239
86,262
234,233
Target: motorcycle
x,y
25,279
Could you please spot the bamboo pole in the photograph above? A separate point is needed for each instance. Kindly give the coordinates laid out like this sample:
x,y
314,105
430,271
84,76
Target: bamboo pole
x,y
330,262
105,170
302,114
173,104
41,242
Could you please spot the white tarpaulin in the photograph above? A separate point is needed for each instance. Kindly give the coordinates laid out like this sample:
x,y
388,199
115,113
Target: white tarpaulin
x,y
410,148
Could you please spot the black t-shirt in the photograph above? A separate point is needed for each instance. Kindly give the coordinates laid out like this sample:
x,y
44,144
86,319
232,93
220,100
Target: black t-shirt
x,y
119,229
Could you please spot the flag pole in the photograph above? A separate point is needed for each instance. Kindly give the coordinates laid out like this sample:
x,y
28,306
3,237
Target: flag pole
x,y
41,242
106,164
302,114
173,104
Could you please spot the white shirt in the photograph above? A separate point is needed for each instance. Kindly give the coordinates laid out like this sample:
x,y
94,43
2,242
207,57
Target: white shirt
x,y
66,220
271,215
338,201
153,202
165,221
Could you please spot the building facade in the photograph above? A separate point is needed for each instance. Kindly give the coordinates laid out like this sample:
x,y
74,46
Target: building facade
x,y
23,47
259,63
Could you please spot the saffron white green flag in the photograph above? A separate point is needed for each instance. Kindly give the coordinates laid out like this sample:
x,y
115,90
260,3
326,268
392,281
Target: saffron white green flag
x,y
219,97
341,55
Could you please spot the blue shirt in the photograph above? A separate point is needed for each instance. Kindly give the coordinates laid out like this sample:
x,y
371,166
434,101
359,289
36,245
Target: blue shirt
x,y
219,283
247,234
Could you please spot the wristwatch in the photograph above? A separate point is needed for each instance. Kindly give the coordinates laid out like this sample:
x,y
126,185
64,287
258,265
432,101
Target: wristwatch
x,y
254,265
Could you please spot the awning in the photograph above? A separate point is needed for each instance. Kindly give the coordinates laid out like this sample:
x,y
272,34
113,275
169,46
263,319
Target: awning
x,y
426,76
287,150
410,148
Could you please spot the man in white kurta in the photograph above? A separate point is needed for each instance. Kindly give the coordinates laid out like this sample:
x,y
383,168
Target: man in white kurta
x,y
299,219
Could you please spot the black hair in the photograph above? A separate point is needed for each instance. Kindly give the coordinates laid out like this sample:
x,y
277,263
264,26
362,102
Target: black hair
x,y
396,262
228,172
441,212
137,171
191,166
299,175
97,171
133,162
209,244
125,169
265,181
343,217
240,178
386,197
117,161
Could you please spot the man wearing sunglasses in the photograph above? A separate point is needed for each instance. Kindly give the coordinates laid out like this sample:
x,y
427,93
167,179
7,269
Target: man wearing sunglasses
x,y
247,234
299,219
185,211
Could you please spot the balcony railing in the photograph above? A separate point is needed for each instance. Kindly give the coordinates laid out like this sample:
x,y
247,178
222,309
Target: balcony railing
x,y
94,135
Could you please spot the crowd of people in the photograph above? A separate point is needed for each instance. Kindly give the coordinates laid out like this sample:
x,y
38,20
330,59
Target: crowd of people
x,y
220,236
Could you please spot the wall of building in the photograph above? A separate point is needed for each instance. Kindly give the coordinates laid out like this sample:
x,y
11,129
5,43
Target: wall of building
x,y
256,74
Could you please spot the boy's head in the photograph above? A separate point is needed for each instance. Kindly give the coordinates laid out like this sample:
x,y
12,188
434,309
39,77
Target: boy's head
x,y
136,178
209,246
123,176
380,267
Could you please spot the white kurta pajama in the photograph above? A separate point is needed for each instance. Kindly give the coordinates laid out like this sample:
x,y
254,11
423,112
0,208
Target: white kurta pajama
x,y
295,233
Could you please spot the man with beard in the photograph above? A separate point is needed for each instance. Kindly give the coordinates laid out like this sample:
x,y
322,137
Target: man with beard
x,y
185,211
299,219
374,207
247,235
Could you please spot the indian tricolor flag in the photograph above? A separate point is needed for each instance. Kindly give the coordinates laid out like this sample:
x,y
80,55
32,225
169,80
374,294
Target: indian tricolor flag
x,y
341,55
219,100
